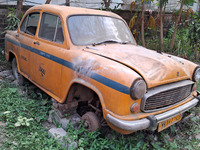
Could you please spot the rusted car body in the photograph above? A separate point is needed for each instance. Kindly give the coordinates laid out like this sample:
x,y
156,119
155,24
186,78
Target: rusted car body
x,y
87,60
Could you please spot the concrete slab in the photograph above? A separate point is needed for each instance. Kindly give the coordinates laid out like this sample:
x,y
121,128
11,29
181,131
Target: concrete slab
x,y
73,119
57,133
61,135
48,125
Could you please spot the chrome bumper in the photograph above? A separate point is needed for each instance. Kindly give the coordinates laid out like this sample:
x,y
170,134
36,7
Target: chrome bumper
x,y
151,122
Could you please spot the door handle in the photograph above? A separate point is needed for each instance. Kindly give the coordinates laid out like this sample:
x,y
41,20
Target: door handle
x,y
36,42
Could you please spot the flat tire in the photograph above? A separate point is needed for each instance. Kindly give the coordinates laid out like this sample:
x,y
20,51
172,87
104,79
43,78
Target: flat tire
x,y
91,121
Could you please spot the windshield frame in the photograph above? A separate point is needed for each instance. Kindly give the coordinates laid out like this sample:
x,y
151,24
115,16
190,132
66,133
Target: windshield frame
x,y
67,22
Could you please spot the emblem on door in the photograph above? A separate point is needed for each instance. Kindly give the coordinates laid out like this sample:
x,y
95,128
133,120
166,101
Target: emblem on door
x,y
42,70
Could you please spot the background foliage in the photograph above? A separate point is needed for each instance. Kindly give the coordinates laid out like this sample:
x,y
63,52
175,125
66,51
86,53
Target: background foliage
x,y
24,114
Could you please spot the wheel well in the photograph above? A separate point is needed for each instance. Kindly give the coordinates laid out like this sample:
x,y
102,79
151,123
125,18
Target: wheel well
x,y
11,56
87,99
79,92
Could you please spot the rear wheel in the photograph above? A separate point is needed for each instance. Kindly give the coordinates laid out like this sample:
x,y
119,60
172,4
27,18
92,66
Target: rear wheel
x,y
92,122
20,79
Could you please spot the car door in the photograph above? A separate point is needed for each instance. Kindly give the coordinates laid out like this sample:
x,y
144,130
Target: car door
x,y
26,36
46,70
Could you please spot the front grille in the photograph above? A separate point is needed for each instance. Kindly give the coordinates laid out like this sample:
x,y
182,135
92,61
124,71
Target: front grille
x,y
166,95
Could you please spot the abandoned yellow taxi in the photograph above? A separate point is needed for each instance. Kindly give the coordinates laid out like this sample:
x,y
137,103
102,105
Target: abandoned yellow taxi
x,y
89,63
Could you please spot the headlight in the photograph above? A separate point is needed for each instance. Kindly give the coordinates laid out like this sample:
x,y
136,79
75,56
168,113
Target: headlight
x,y
138,89
196,75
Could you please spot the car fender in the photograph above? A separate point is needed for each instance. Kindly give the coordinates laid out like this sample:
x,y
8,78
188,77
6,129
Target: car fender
x,y
88,85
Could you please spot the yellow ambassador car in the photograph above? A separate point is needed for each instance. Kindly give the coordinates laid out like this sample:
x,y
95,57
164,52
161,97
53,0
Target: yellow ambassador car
x,y
89,63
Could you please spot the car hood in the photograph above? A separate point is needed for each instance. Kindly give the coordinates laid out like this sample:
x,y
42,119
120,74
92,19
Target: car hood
x,y
155,68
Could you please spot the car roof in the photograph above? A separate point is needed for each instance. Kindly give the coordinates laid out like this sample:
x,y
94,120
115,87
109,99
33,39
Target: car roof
x,y
68,10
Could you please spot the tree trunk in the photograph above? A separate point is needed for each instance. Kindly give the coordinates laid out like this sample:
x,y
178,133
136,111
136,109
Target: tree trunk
x,y
107,4
19,8
142,26
48,2
67,2
161,29
176,25
196,48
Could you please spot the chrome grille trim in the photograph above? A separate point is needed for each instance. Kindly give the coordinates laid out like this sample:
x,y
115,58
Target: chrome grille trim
x,y
180,86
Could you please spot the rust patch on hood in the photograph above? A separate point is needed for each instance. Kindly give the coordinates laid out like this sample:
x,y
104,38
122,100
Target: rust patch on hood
x,y
155,68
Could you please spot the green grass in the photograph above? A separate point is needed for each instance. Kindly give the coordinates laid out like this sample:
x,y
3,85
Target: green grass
x,y
31,135
198,86
34,136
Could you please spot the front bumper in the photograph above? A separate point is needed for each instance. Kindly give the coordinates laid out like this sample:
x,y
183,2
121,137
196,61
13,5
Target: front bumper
x,y
151,122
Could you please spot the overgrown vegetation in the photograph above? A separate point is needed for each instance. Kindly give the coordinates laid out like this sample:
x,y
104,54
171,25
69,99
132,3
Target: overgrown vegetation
x,y
12,20
24,115
182,47
194,33
33,136
186,42
23,119
181,36
172,138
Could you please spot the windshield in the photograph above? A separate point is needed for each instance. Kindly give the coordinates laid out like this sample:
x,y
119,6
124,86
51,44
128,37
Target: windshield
x,y
88,29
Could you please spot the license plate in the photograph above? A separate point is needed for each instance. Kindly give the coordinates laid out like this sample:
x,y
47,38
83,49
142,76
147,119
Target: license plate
x,y
165,124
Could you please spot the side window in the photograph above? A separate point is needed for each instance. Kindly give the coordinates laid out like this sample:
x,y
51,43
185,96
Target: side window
x,y
23,26
51,28
30,23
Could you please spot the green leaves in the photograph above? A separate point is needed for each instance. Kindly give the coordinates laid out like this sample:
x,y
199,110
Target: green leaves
x,y
20,115
162,3
188,2
12,20
23,121
194,30
12,90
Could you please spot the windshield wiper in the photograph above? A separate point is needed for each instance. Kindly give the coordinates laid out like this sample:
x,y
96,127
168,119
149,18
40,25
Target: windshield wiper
x,y
107,41
125,42
111,41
